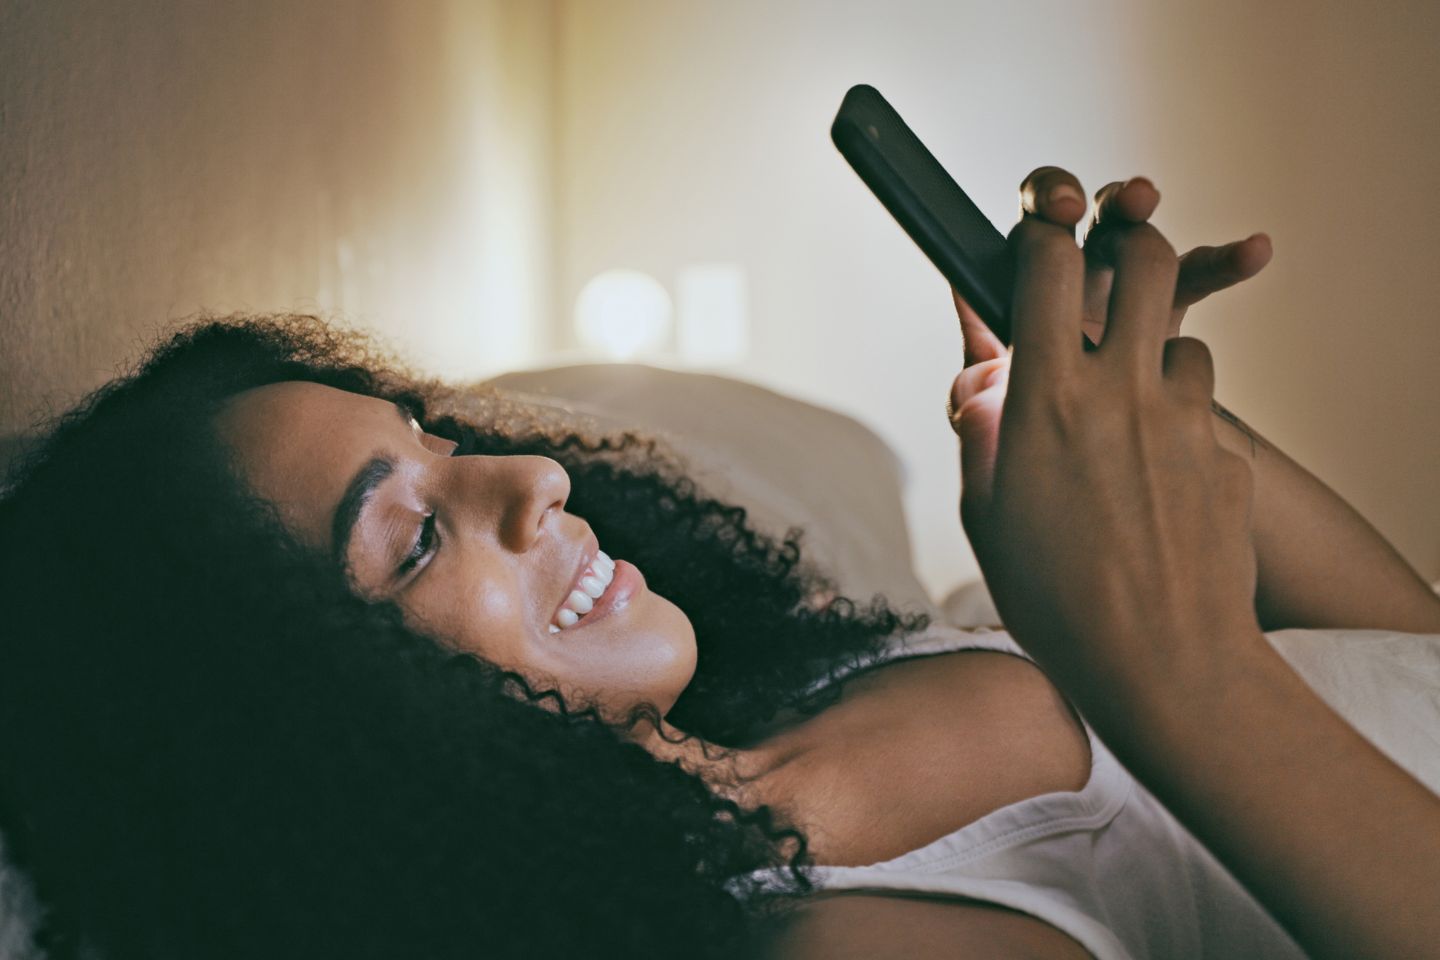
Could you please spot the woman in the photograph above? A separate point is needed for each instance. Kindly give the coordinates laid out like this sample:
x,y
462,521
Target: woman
x,y
283,680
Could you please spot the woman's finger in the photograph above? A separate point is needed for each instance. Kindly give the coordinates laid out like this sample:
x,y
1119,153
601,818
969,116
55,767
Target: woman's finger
x,y
1125,201
1117,205
1205,270
972,380
1142,298
1189,365
1049,298
981,344
977,424
1054,195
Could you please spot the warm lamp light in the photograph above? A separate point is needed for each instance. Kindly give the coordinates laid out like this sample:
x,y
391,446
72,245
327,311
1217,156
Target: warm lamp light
x,y
622,313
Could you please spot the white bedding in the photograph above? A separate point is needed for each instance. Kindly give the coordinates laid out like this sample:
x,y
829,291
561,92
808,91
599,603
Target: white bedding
x,y
1386,684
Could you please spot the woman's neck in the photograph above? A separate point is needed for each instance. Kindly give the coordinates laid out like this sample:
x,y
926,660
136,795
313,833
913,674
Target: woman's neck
x,y
745,775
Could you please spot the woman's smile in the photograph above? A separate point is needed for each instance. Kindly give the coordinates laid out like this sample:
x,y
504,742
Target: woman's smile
x,y
605,589
593,579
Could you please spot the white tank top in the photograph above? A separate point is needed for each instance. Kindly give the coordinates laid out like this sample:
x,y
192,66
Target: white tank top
x,y
1107,864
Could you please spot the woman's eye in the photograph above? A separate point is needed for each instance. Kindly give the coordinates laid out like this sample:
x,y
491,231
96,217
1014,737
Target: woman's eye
x,y
424,541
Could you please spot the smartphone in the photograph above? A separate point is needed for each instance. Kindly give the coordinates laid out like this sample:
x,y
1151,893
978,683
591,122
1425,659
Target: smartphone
x,y
927,202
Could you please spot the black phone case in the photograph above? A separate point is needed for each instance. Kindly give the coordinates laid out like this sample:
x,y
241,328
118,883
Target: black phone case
x,y
927,202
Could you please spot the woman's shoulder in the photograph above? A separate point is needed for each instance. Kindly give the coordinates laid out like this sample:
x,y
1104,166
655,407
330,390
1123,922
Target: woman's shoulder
x,y
921,747
859,924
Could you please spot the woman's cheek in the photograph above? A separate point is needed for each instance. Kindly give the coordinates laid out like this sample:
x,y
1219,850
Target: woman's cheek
x,y
484,620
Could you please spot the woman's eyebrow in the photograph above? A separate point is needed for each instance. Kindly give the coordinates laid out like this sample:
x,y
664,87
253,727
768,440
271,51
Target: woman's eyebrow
x,y
358,493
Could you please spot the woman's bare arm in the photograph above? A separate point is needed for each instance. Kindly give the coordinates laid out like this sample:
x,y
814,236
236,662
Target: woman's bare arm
x,y
1339,843
864,926
1321,565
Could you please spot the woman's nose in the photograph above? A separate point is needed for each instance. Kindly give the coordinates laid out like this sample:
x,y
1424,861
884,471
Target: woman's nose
x,y
517,492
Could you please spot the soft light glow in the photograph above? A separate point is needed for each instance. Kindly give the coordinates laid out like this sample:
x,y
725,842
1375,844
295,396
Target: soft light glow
x,y
714,328
622,313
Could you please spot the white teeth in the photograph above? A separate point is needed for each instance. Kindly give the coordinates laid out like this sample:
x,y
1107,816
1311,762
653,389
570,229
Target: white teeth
x,y
579,602
582,599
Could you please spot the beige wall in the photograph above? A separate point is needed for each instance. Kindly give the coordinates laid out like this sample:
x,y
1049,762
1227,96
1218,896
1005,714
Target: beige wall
x,y
451,172
697,131
388,162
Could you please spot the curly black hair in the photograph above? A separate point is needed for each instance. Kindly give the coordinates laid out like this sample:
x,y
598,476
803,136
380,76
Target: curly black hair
x,y
211,747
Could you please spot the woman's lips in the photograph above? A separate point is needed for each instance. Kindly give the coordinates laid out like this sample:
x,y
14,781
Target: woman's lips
x,y
627,583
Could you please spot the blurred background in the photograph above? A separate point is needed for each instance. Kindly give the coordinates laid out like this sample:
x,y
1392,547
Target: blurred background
x,y
494,185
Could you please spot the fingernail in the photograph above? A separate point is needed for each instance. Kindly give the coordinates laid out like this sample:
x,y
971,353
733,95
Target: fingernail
x,y
1135,180
1236,245
996,378
1063,191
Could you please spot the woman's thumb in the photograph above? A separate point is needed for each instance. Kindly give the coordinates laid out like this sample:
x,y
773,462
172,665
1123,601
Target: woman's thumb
x,y
974,379
977,423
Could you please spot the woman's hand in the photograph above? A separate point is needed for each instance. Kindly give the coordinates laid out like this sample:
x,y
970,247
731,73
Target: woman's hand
x,y
1055,195
1307,539
1101,483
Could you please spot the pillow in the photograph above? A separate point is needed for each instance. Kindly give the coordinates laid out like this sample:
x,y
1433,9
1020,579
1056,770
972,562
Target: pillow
x,y
970,605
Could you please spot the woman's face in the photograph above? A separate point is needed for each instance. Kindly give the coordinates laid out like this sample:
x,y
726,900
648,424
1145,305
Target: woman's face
x,y
478,551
